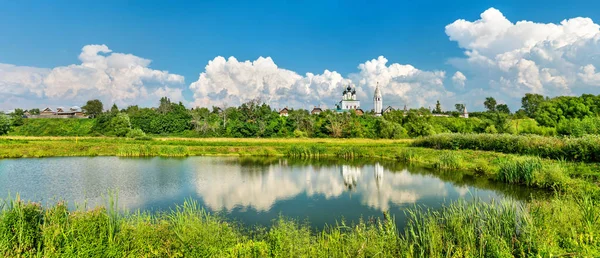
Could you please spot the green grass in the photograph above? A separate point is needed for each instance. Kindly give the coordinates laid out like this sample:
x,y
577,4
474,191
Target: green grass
x,y
54,127
462,229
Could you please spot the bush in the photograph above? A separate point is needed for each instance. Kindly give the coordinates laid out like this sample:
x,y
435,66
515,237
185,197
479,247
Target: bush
x,y
120,125
4,124
136,133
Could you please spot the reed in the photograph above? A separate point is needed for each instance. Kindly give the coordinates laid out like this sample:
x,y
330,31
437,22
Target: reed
x,y
563,226
448,161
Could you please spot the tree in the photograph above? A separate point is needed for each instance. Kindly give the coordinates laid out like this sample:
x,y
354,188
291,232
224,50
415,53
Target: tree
x,y
503,108
17,117
460,108
438,108
4,124
490,104
92,108
530,103
35,111
164,106
120,124
114,109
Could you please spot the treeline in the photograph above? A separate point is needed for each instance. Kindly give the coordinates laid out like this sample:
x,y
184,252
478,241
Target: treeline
x,y
564,115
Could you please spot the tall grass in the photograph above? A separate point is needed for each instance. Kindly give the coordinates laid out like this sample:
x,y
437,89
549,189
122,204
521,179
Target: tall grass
x,y
132,150
448,161
518,170
306,151
463,229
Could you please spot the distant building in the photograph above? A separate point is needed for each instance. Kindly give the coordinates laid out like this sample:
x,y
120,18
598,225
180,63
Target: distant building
x,y
377,101
73,112
284,112
47,112
316,111
388,109
359,112
465,114
348,102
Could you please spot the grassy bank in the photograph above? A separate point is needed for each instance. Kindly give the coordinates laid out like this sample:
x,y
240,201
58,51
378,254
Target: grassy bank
x,y
584,149
565,226
54,126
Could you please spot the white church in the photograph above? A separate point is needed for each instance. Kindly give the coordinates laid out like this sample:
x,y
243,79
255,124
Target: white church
x,y
349,102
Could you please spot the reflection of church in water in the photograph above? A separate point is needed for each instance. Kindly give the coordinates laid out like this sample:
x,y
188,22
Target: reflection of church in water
x,y
350,174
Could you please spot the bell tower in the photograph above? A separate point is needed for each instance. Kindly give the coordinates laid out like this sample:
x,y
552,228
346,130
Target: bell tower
x,y
377,101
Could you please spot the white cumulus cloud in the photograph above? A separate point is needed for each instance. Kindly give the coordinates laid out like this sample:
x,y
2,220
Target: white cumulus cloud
x,y
112,77
459,79
231,82
512,59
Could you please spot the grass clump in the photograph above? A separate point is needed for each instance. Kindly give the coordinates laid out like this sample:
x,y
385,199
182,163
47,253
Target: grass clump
x,y
518,170
448,161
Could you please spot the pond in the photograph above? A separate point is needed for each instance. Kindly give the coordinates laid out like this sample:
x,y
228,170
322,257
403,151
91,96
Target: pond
x,y
253,191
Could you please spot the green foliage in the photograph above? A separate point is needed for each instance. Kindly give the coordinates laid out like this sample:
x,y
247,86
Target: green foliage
x,y
114,109
34,111
438,108
579,127
120,125
518,171
586,149
4,124
490,104
460,108
503,108
93,108
136,133
530,103
552,111
448,161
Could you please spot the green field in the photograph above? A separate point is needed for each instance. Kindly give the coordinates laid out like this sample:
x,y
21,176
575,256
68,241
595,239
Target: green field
x,y
566,224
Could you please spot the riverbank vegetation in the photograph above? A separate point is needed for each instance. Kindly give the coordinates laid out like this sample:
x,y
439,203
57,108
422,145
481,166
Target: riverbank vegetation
x,y
559,116
564,226
584,149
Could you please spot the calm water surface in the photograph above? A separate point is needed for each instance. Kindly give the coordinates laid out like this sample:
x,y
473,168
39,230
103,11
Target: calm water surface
x,y
249,190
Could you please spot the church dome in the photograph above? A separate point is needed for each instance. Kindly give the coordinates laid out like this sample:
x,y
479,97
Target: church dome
x,y
349,88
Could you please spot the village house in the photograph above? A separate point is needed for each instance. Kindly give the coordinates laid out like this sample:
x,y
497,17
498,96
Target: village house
x,y
284,112
316,111
73,112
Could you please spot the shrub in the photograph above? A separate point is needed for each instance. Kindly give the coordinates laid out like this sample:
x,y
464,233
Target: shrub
x,y
120,125
136,133
4,124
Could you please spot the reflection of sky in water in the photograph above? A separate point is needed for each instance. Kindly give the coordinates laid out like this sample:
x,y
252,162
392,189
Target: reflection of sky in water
x,y
251,192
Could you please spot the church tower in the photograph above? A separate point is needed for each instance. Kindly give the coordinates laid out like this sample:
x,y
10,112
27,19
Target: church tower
x,y
377,101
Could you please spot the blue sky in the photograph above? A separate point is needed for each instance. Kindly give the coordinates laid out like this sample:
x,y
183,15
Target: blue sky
x,y
300,36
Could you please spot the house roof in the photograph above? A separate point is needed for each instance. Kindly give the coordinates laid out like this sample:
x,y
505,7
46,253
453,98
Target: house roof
x,y
284,110
317,109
